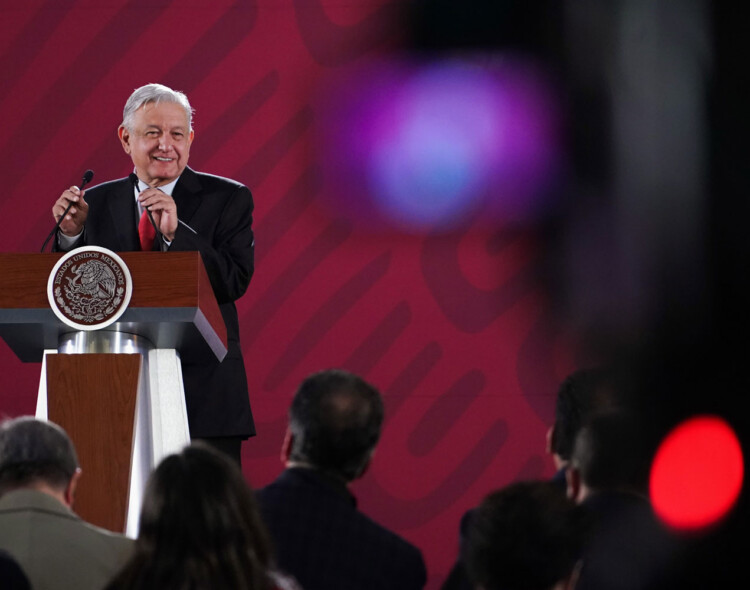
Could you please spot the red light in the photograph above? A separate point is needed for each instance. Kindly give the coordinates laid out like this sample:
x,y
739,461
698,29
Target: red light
x,y
697,473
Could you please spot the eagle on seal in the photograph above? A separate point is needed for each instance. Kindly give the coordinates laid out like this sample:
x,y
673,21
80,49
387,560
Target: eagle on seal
x,y
93,279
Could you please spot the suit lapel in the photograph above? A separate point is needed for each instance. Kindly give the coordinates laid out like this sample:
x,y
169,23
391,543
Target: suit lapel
x,y
186,195
122,217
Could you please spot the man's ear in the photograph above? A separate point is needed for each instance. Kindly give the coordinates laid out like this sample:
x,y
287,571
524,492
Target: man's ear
x,y
573,480
70,489
572,581
124,136
366,467
550,434
286,446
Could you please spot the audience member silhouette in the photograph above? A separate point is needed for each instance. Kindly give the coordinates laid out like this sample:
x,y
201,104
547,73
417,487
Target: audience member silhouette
x,y
580,396
200,529
38,477
526,536
607,475
322,539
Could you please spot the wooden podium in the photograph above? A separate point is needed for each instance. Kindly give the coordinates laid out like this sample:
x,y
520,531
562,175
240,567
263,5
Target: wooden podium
x,y
116,391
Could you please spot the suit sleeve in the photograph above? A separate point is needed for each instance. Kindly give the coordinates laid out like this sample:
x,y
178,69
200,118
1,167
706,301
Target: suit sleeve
x,y
224,237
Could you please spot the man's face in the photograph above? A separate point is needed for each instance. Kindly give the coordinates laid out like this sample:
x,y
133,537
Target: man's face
x,y
158,142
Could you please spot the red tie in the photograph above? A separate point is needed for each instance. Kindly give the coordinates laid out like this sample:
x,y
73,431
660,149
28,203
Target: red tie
x,y
146,232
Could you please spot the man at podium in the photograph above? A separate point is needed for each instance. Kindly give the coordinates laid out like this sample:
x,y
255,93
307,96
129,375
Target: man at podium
x,y
164,205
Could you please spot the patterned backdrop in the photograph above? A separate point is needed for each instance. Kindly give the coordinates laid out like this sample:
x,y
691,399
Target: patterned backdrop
x,y
453,327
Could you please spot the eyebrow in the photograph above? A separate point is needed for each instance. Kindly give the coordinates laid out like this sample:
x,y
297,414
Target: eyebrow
x,y
152,126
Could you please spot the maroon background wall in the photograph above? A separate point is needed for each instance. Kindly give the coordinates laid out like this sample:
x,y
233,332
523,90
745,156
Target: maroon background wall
x,y
454,328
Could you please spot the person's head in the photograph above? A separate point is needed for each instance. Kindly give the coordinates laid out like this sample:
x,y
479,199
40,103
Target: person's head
x,y
334,424
582,395
37,455
156,132
11,574
608,454
199,527
527,536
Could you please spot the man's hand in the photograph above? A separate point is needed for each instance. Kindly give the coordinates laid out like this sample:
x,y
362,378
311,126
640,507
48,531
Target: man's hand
x,y
75,219
163,209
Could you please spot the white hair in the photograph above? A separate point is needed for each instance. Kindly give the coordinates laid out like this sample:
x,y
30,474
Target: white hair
x,y
154,93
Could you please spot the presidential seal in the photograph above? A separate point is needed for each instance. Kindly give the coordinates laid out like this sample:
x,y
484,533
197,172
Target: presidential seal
x,y
89,288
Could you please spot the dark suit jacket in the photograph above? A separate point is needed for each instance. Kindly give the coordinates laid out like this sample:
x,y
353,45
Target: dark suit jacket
x,y
326,543
216,220
627,548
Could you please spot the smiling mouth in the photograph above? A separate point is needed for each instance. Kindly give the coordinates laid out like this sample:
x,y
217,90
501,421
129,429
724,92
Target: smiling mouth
x,y
163,159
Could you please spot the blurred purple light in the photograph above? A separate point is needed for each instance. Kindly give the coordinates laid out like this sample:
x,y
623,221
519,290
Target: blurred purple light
x,y
433,146
432,166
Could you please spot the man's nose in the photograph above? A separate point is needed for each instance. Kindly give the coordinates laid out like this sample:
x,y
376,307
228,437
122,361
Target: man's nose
x,y
165,142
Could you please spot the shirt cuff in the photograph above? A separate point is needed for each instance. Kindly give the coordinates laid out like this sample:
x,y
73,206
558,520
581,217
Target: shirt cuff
x,y
66,242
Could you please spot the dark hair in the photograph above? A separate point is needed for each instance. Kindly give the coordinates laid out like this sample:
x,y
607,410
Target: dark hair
x,y
610,454
335,418
527,536
199,529
35,451
11,574
582,395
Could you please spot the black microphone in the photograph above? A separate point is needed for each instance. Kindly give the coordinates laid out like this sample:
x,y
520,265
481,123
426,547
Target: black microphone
x,y
134,179
87,176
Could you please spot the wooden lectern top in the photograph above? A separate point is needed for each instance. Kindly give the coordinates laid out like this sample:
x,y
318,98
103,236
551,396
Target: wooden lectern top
x,y
172,306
